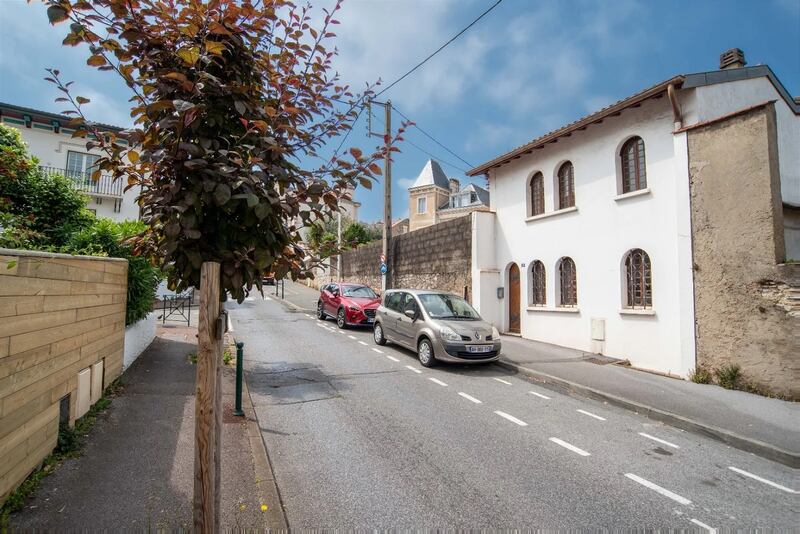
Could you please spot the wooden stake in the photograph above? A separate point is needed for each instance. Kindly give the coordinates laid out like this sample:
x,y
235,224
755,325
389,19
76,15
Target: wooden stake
x,y
207,405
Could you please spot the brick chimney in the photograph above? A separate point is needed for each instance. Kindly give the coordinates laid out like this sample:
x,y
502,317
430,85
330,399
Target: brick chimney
x,y
455,186
732,59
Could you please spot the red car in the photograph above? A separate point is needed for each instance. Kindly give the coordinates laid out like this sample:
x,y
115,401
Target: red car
x,y
351,304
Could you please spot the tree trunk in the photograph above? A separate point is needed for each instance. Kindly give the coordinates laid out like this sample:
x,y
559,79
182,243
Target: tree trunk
x,y
208,406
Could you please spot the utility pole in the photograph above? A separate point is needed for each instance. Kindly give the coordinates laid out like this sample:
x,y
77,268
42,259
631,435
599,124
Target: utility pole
x,y
387,191
339,244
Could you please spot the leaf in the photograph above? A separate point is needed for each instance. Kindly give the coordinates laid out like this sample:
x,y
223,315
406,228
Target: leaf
x,y
215,47
133,156
375,168
189,55
82,100
56,14
96,61
365,182
11,264
222,194
355,152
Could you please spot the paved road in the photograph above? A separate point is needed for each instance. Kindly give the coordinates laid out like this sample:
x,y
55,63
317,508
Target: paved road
x,y
361,436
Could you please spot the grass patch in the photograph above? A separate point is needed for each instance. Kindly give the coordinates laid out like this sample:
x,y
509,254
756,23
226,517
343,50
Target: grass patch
x,y
700,375
191,357
728,376
71,441
227,357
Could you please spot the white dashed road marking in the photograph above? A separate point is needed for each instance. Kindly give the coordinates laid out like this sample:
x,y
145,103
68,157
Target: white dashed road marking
x,y
569,446
658,489
393,358
340,331
663,442
469,397
352,337
362,343
703,525
503,381
379,351
267,298
307,315
511,418
437,381
539,395
414,369
764,480
590,414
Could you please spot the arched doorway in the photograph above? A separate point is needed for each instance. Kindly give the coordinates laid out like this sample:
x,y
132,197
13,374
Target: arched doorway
x,y
513,299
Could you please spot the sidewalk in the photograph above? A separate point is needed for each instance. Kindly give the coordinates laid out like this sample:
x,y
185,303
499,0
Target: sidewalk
x,y
766,427
137,469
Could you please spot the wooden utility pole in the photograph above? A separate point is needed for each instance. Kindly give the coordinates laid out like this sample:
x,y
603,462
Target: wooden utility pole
x,y
207,403
387,191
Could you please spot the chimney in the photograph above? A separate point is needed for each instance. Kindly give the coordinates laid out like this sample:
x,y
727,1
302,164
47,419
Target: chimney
x,y
732,59
455,186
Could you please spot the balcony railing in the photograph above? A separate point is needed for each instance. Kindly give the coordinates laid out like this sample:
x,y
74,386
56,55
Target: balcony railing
x,y
105,186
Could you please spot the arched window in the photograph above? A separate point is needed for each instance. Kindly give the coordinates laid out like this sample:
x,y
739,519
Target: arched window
x,y
638,280
566,186
537,194
567,282
538,284
634,174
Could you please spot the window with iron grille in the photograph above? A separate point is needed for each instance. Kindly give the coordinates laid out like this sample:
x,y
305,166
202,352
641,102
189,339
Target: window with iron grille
x,y
566,186
634,174
538,284
568,285
537,194
638,280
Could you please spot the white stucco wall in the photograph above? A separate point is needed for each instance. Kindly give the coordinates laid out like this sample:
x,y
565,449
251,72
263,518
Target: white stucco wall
x,y
51,150
138,337
596,236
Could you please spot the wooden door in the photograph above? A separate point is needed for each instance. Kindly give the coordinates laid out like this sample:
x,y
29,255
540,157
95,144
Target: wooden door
x,y
513,299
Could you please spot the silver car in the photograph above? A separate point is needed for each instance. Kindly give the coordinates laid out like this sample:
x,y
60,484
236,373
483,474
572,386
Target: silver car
x,y
438,326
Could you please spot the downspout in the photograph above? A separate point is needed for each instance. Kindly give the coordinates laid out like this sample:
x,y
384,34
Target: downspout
x,y
677,116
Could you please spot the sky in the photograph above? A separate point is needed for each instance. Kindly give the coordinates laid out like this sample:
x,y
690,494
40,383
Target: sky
x,y
528,67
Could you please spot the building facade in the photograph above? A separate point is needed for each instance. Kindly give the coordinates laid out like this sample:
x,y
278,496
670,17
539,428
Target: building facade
x,y
434,198
592,240
50,140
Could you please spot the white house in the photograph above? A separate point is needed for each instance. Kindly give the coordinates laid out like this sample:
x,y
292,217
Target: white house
x,y
589,242
50,140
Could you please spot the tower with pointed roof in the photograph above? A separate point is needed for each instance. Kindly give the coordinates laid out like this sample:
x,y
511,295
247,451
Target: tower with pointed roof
x,y
430,190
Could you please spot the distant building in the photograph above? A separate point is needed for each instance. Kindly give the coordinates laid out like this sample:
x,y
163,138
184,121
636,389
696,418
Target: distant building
x,y
50,140
435,198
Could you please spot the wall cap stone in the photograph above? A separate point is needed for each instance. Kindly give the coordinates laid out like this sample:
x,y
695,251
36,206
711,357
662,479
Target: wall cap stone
x,y
41,254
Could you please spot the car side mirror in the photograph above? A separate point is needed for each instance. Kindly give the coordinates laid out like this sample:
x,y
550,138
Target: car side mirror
x,y
411,314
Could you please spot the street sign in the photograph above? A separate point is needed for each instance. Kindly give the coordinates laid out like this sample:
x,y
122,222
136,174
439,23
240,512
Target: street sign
x,y
383,258
384,269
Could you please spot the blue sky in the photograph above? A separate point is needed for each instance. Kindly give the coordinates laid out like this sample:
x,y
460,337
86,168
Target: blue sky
x,y
527,68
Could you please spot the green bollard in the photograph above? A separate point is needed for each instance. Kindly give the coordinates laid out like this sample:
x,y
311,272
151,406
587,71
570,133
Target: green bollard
x,y
239,373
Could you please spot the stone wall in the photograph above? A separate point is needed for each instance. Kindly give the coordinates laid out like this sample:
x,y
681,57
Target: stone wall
x,y
62,328
743,290
436,257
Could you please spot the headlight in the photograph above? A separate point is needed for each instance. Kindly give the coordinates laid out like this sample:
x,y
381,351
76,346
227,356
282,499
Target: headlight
x,y
495,333
354,308
448,334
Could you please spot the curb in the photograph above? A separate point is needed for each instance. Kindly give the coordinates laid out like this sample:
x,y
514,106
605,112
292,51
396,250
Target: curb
x,y
759,448
262,466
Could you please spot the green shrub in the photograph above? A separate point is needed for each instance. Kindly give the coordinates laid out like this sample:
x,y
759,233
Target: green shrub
x,y
728,375
700,375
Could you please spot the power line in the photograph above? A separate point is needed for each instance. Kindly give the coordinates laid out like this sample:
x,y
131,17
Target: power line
x,y
456,36
470,165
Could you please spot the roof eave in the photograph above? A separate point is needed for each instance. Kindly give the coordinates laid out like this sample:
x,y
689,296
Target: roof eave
x,y
580,124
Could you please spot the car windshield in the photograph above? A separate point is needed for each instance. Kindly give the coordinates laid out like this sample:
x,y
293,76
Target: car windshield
x,y
442,306
359,292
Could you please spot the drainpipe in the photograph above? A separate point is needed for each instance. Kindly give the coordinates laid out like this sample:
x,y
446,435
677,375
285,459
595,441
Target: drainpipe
x,y
677,116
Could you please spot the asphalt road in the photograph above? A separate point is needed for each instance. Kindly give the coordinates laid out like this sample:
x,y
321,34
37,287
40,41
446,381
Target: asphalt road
x,y
362,436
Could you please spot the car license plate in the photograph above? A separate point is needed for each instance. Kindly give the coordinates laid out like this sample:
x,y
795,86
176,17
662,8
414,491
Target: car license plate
x,y
370,320
479,349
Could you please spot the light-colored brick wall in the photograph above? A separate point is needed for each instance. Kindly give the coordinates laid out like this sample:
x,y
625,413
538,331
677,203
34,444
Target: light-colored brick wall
x,y
59,314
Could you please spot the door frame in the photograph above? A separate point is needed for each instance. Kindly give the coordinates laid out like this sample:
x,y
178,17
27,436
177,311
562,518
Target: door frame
x,y
510,298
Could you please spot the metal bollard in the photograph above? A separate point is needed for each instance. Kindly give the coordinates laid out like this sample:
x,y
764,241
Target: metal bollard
x,y
283,285
239,373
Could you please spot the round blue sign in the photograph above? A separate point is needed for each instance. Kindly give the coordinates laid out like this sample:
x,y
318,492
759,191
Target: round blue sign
x,y
384,269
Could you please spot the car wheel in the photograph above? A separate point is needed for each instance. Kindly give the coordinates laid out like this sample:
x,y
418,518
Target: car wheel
x,y
320,312
341,322
377,334
425,353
